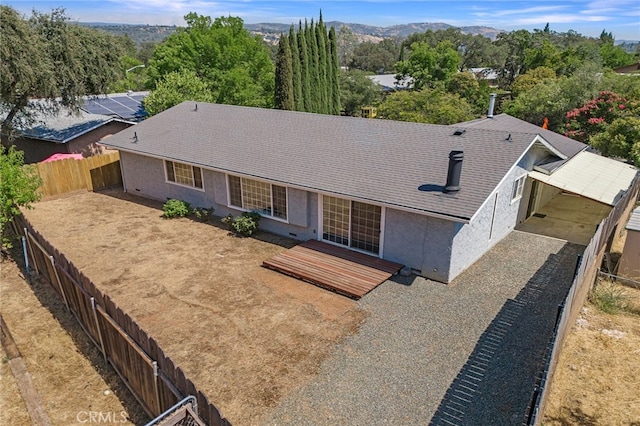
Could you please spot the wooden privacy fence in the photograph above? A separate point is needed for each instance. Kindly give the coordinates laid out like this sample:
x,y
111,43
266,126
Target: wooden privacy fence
x,y
93,173
584,278
153,378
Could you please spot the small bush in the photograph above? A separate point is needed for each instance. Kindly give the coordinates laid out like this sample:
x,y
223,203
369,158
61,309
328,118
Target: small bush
x,y
609,298
202,214
245,224
176,208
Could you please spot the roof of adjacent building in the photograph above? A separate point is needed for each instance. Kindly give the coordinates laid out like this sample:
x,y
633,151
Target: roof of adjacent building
x,y
388,162
125,106
634,221
390,83
65,126
592,176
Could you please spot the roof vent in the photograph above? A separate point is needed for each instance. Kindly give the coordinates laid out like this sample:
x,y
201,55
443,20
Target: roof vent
x,y
459,132
492,105
134,139
455,169
508,138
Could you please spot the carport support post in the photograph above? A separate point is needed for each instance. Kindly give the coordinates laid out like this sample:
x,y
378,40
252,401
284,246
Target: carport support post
x,y
95,317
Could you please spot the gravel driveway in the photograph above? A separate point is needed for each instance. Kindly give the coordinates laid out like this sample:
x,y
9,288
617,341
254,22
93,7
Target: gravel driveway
x,y
466,353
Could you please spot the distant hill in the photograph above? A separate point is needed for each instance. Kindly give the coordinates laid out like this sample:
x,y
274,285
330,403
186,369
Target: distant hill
x,y
138,33
381,32
271,31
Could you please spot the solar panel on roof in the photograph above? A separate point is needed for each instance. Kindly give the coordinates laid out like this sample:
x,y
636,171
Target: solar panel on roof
x,y
125,107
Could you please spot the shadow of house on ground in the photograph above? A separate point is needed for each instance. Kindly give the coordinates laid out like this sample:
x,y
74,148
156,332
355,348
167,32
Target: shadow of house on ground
x,y
495,385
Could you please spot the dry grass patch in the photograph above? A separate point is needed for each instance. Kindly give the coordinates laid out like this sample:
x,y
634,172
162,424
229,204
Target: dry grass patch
x,y
67,370
596,381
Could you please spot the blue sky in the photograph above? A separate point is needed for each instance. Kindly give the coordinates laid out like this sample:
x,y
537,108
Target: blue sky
x,y
588,17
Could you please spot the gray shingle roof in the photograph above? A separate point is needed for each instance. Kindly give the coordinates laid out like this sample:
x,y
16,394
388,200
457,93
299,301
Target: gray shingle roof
x,y
381,161
567,146
64,126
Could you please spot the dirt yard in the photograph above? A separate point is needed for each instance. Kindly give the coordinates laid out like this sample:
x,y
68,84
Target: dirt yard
x,y
67,370
245,335
596,381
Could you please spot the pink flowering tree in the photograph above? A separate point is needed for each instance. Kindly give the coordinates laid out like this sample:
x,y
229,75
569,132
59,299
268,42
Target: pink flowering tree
x,y
609,123
594,116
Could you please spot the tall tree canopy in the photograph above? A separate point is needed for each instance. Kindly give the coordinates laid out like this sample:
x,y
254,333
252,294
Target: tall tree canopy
x,y
429,66
47,57
307,70
176,87
433,106
235,65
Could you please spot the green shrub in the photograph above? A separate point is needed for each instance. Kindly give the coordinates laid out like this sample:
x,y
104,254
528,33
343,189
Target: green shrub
x,y
245,224
609,298
175,208
202,214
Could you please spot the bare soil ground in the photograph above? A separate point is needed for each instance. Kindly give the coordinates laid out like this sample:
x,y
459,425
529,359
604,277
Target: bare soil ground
x,y
596,381
67,371
245,335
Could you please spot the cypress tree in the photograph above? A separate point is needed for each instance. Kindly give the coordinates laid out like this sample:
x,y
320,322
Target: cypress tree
x,y
334,70
323,97
295,66
305,72
284,76
313,68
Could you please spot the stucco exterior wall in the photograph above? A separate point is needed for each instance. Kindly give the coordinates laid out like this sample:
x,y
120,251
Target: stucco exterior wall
x,y
495,220
419,242
145,176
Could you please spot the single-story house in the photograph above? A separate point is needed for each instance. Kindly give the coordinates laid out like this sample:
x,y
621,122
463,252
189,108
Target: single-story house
x,y
66,133
434,198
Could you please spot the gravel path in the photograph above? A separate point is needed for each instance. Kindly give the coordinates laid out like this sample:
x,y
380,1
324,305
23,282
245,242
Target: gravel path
x,y
466,353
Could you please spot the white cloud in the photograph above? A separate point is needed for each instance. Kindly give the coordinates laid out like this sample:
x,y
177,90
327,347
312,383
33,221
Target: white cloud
x,y
528,10
559,19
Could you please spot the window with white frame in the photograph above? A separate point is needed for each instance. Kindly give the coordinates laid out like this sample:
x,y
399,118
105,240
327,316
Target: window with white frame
x,y
518,188
253,195
183,174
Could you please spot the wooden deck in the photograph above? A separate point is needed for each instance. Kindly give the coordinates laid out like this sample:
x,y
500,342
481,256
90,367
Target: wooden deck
x,y
344,271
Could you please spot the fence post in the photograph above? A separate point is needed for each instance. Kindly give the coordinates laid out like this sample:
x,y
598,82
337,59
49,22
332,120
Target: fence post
x,y
155,385
95,317
26,255
35,261
55,272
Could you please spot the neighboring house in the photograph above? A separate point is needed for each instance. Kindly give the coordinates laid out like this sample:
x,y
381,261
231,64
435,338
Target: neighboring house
x,y
488,74
629,69
630,259
389,82
66,133
432,197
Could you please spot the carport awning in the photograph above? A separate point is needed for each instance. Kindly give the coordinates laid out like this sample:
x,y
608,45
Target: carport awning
x,y
592,176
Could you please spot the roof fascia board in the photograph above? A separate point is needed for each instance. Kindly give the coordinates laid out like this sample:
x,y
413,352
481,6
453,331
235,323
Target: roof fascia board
x,y
301,187
84,132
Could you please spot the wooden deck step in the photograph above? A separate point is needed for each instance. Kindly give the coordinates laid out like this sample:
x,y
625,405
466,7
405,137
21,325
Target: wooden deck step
x,y
339,269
